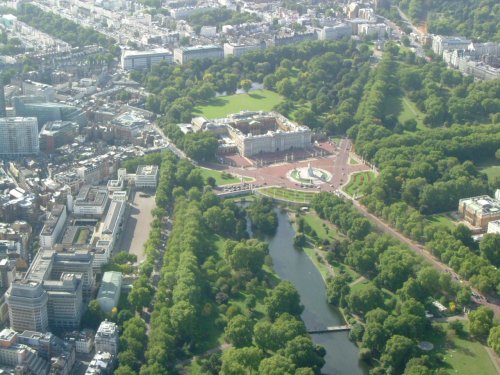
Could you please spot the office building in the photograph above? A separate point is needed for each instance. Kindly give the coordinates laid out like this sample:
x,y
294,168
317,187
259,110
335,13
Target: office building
x,y
479,211
233,49
146,176
24,358
129,125
91,201
144,59
31,88
442,43
18,136
101,364
44,111
3,105
27,301
83,340
52,292
106,338
53,226
335,32
55,134
183,55
109,292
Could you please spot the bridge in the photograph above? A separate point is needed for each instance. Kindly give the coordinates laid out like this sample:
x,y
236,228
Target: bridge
x,y
331,329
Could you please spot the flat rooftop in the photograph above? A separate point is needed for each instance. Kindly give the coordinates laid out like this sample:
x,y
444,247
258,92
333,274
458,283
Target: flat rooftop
x,y
147,170
484,203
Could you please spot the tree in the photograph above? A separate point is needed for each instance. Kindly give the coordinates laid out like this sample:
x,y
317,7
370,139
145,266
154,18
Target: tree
x,y
246,85
494,339
124,370
481,321
375,337
365,299
273,336
398,350
239,331
284,298
93,316
240,361
303,353
276,365
490,248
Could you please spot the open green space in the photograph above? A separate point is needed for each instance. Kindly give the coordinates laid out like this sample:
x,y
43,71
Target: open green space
x,y
221,177
325,231
357,181
492,171
311,252
441,220
353,161
410,111
258,100
82,236
288,194
401,107
462,355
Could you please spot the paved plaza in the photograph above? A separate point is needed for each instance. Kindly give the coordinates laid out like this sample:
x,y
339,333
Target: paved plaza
x,y
331,157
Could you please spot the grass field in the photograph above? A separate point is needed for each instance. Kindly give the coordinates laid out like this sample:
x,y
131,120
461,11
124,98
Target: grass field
x,y
221,180
441,220
357,181
258,100
462,355
410,111
353,161
492,171
288,194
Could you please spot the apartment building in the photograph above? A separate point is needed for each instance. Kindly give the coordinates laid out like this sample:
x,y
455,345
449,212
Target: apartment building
x,y
18,136
91,201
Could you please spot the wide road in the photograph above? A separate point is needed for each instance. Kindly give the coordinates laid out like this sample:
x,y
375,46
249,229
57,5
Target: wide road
x,y
420,250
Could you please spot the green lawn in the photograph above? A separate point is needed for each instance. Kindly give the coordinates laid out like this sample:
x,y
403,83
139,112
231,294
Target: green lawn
x,y
441,220
288,194
404,109
357,181
492,171
462,355
258,100
220,179
353,161
410,111
318,263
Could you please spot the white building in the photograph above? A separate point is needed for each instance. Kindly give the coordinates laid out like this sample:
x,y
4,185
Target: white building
x,y
53,226
27,302
146,176
91,201
494,227
335,32
106,338
83,340
144,59
184,54
232,49
39,89
370,29
109,292
442,43
19,136
208,31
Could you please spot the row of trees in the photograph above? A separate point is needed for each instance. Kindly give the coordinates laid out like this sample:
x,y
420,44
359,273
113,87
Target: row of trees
x,y
393,304
474,19
198,286
59,27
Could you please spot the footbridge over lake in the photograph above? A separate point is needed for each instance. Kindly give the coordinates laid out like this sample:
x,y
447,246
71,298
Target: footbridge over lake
x,y
331,329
